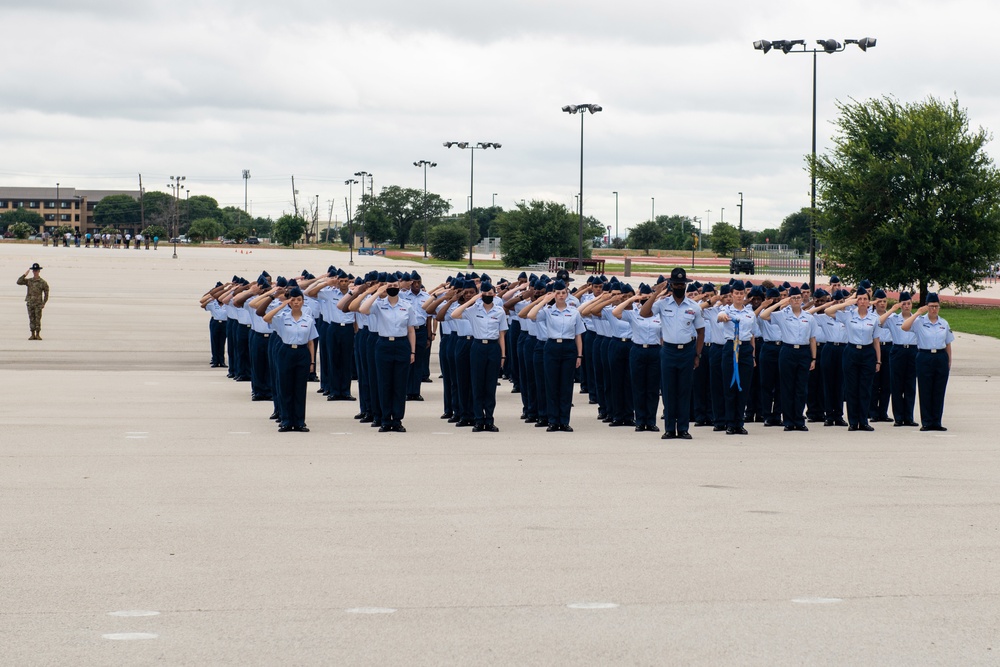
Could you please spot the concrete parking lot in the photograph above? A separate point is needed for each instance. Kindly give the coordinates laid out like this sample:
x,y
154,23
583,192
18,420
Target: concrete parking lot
x,y
152,514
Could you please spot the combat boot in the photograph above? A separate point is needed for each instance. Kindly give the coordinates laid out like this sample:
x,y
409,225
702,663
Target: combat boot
x,y
38,335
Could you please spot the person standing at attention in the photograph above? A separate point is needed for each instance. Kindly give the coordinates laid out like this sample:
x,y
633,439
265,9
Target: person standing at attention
x,y
36,298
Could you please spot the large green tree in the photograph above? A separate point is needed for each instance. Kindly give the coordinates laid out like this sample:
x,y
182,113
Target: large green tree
x,y
406,207
645,235
21,215
725,238
288,229
118,210
794,231
204,229
538,230
909,195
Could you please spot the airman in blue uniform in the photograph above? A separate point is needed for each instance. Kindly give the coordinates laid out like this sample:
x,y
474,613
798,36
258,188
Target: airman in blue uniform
x,y
934,339
903,360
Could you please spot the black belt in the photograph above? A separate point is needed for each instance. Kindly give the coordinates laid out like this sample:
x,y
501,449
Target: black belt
x,y
265,335
679,346
487,341
342,324
835,344
773,342
860,347
646,345
906,346
420,327
563,340
933,350
467,337
624,340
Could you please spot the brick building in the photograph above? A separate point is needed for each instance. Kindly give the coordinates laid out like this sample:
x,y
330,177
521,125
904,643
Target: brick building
x,y
61,206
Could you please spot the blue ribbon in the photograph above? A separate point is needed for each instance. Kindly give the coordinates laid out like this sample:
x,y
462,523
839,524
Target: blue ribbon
x,y
736,358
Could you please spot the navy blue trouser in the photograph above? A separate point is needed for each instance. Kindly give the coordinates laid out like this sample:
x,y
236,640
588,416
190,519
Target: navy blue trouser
x,y
932,379
526,357
463,375
392,364
243,347
859,371
770,386
341,353
701,392
607,370
323,355
676,375
293,366
589,369
484,364
882,386
416,373
541,388
260,365
736,398
445,358
217,339
360,363
718,398
753,399
560,365
596,356
794,365
904,382
833,380
371,369
644,367
622,406
274,345
513,358
814,401
234,357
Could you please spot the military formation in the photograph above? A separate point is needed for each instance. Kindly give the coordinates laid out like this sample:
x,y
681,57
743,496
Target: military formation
x,y
680,352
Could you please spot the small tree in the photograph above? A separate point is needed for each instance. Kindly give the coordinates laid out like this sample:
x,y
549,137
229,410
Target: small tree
x,y
288,229
725,238
645,235
154,231
21,230
448,242
22,215
204,228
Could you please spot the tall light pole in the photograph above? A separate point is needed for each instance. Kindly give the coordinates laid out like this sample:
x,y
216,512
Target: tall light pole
x,y
425,164
494,200
741,215
579,109
787,46
176,185
350,219
472,148
246,190
615,193
363,175
722,214
652,209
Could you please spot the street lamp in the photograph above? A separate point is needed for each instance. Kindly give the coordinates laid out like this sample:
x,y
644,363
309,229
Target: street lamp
x,y
472,148
826,46
350,220
652,209
615,193
425,164
363,175
494,200
175,183
741,215
246,183
579,109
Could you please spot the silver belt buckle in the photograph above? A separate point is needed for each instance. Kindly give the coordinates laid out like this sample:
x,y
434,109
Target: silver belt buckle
x,y
391,338
795,347
485,341
266,335
681,347
934,351
859,346
559,340
295,347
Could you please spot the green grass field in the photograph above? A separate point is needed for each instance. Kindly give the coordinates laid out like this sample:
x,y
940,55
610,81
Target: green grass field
x,y
979,321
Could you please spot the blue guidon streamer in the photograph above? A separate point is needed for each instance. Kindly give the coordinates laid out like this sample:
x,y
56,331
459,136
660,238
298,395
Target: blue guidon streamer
x,y
736,358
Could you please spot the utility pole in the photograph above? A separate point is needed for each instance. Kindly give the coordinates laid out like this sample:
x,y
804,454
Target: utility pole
x,y
295,201
246,178
142,205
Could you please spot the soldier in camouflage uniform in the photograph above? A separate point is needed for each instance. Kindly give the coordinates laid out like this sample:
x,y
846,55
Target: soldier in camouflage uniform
x,y
37,297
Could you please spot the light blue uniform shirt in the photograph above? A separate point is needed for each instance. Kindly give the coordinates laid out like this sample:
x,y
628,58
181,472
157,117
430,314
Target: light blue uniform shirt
x,y
462,327
770,331
746,319
794,330
217,310
713,327
860,330
645,330
257,322
587,322
833,330
392,321
292,331
932,335
561,324
894,323
327,302
541,330
618,328
679,322
486,324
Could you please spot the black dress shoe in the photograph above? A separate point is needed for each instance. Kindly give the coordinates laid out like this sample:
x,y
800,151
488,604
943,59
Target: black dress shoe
x,y
492,428
852,427
552,429
839,422
367,419
274,415
384,429
523,416
866,427
601,415
940,428
478,428
285,429
895,424
801,427
629,422
399,428
653,427
530,420
376,423
464,423
446,415
829,422
566,428
607,420
703,422
771,422
640,428
787,428
223,366
910,423
541,423
360,415
591,402
617,422
416,397
815,420
453,419
347,397
683,435
720,428
322,391
926,428
669,435
302,429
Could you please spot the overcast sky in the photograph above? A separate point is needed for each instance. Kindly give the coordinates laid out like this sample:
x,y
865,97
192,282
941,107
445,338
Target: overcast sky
x,y
96,92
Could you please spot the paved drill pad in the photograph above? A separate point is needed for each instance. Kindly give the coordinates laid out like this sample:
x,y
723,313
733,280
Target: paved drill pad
x,y
135,478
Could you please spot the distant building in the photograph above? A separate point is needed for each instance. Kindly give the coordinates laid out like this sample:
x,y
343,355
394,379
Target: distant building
x,y
68,206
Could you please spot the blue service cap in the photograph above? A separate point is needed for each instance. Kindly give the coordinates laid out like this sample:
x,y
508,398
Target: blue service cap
x,y
820,293
533,277
281,282
773,293
661,279
382,277
879,294
406,277
834,279
292,282
485,286
905,296
473,275
785,285
484,279
265,274
691,288
359,281
460,275
645,289
415,276
558,285
861,292
522,276
305,272
341,274
218,284
708,287
294,292
331,269
739,285
794,291
628,289
549,287
724,290
235,279
805,287
866,284
932,297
